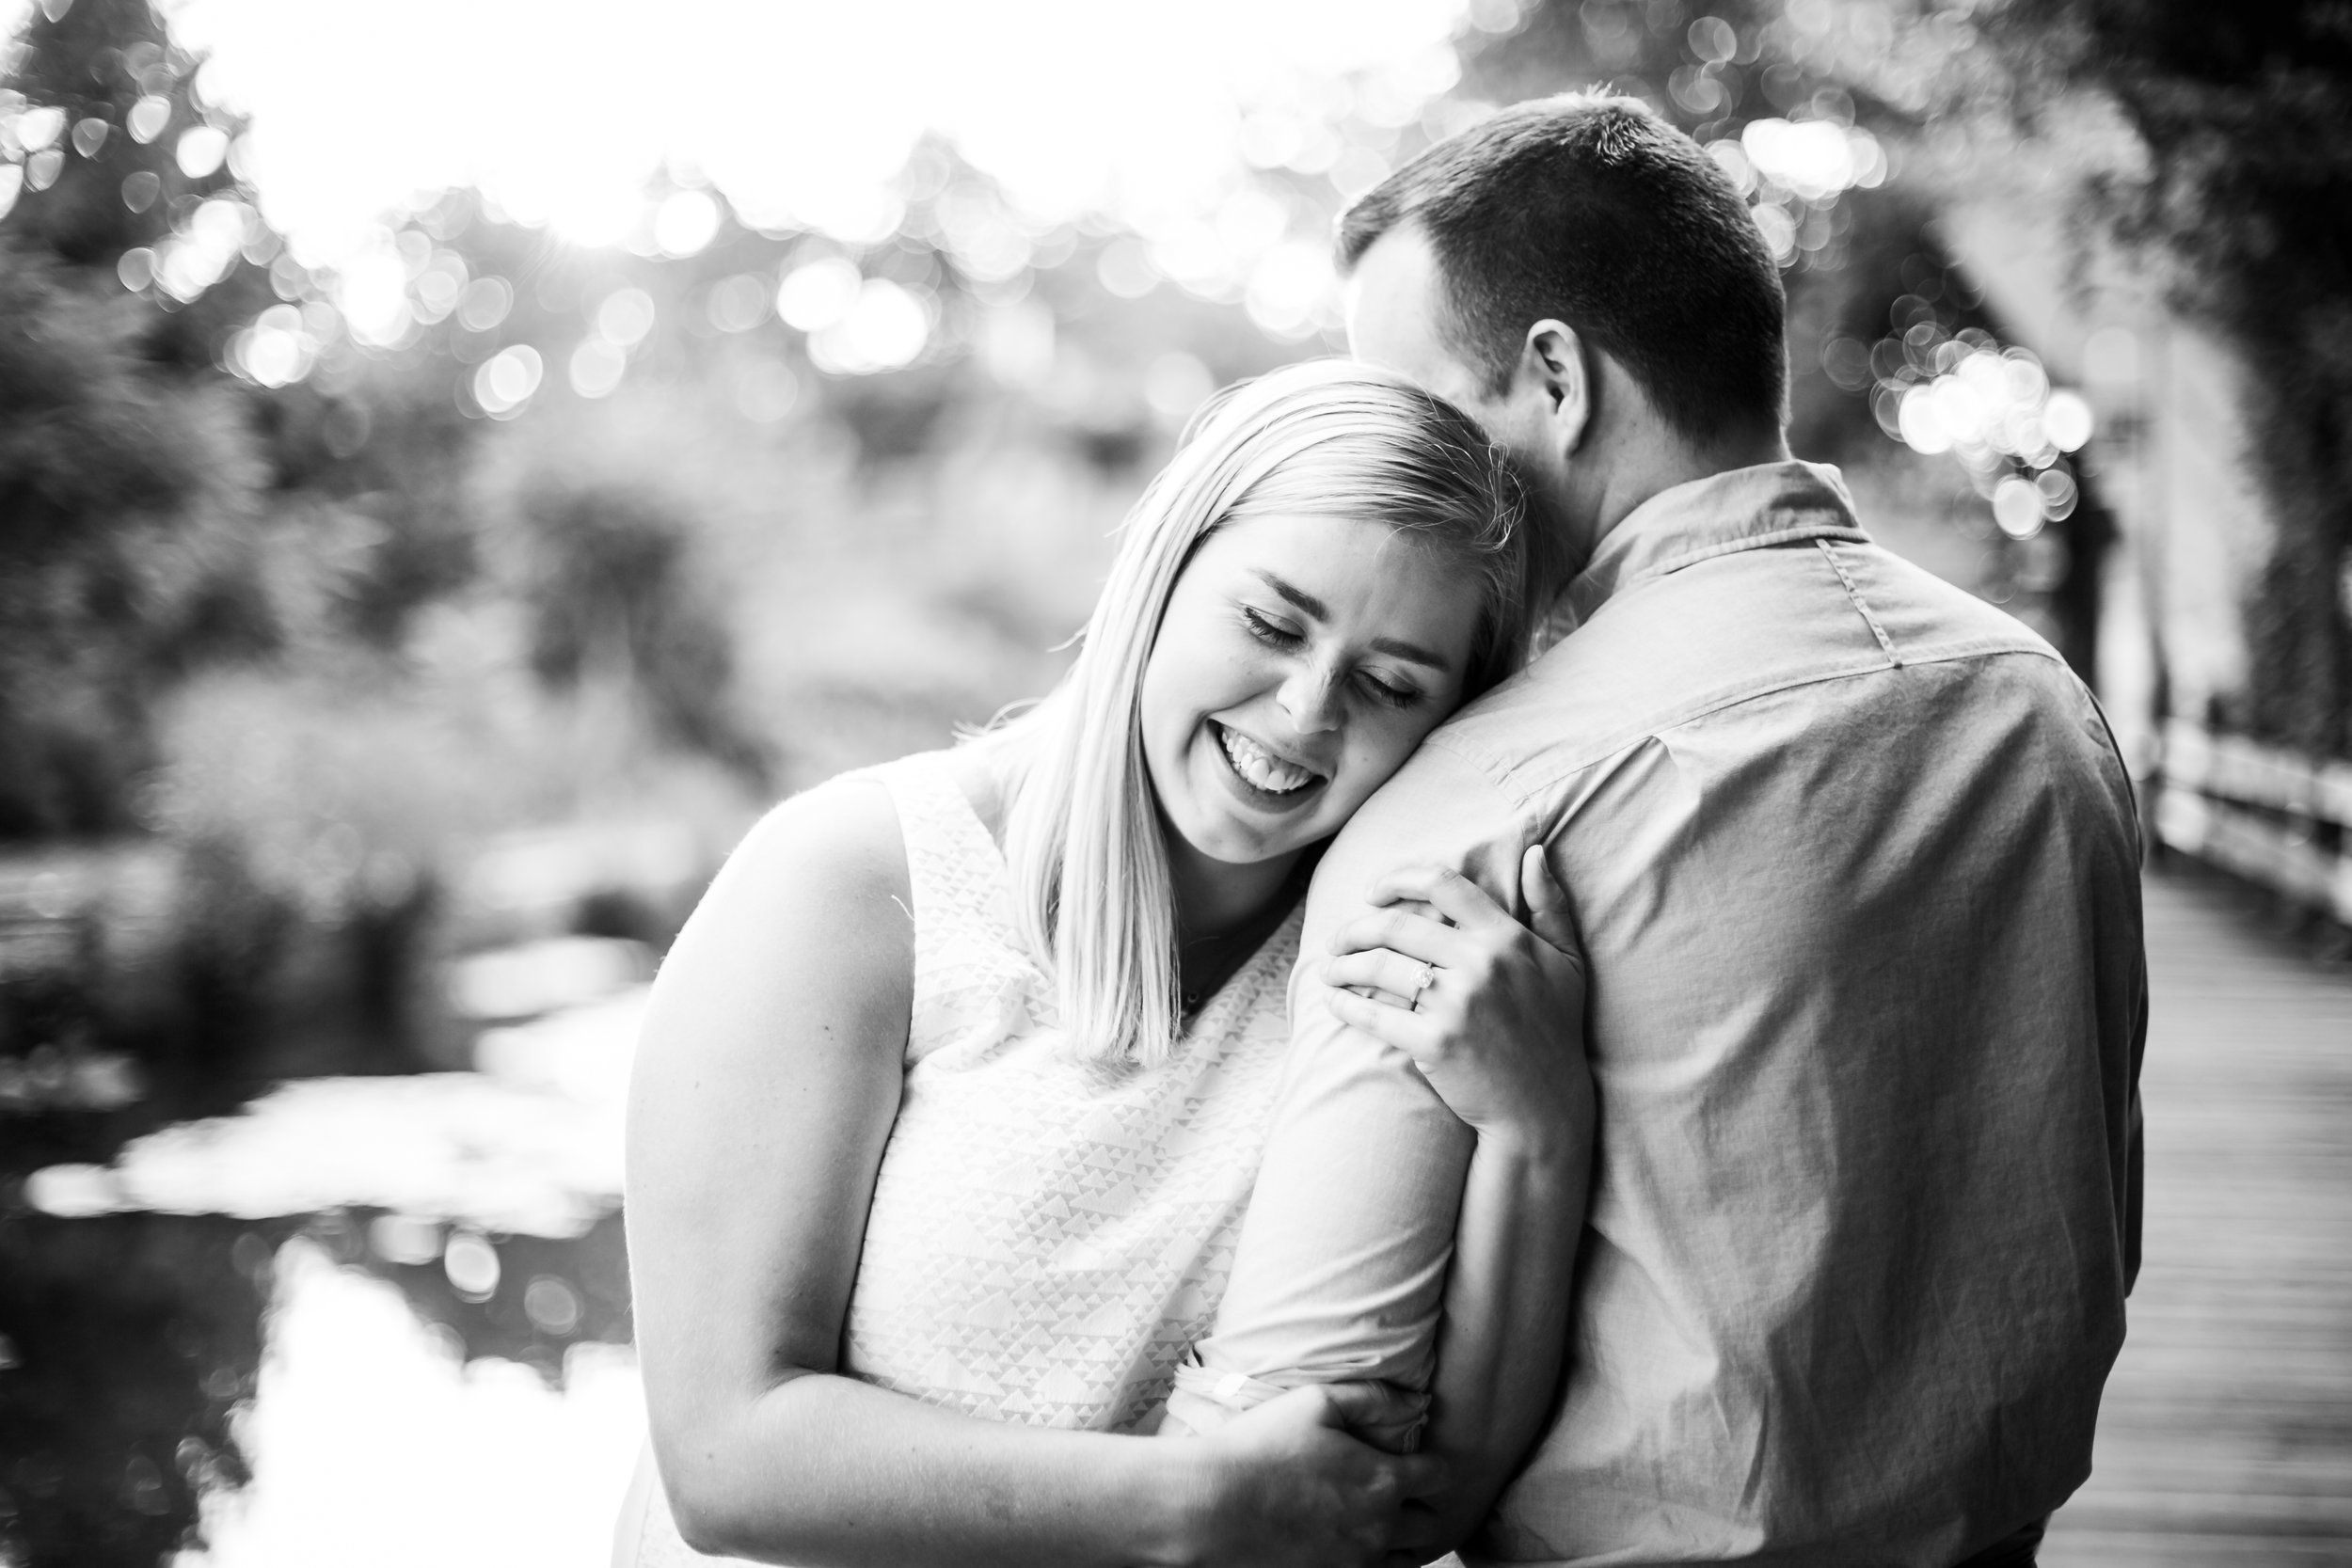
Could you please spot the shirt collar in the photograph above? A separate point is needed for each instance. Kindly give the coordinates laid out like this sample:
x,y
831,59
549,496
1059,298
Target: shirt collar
x,y
1739,508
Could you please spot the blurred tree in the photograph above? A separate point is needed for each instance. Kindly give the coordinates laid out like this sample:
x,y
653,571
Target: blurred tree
x,y
126,547
2245,115
130,153
611,591
128,481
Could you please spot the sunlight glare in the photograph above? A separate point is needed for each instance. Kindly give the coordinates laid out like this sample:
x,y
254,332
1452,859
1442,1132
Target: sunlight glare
x,y
796,114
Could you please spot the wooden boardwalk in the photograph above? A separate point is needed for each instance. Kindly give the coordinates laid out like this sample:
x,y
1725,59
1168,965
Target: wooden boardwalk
x,y
2226,1435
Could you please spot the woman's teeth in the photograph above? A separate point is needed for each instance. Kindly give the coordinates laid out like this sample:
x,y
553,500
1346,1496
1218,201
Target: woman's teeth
x,y
1260,767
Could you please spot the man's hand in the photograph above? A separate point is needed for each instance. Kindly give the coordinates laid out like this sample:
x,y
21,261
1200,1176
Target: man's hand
x,y
1284,1487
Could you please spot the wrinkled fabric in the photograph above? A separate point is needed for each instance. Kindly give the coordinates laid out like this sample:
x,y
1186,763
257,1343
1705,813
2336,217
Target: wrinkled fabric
x,y
1855,866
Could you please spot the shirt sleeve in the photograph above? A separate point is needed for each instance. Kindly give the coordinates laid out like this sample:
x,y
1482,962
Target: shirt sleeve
x,y
1341,1267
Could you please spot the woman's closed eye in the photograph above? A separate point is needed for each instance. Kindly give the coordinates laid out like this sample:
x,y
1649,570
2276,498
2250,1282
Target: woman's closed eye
x,y
1395,693
1276,633
1267,629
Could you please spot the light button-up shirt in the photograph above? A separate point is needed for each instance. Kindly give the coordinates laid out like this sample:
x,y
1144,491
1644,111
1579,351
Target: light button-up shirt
x,y
1855,864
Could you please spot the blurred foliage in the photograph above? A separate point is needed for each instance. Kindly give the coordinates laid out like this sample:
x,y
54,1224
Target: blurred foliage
x,y
608,590
2245,115
127,546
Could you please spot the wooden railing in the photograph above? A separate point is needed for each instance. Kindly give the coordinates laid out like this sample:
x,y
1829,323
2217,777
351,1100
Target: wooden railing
x,y
2272,817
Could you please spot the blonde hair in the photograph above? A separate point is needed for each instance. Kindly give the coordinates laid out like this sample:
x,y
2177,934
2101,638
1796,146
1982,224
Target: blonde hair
x,y
1091,886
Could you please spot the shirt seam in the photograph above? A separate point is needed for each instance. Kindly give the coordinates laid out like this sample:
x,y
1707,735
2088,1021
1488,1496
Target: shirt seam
x,y
1497,774
1822,532
1861,606
1818,533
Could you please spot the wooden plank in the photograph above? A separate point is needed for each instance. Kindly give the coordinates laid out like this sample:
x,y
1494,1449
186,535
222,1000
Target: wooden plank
x,y
2226,1433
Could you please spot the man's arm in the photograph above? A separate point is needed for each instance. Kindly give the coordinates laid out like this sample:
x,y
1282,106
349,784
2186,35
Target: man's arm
x,y
1377,1210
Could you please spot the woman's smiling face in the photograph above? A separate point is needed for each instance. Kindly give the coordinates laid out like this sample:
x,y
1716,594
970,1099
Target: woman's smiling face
x,y
1300,661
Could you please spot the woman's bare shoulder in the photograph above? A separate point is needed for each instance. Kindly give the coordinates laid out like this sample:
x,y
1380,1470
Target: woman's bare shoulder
x,y
841,836
813,903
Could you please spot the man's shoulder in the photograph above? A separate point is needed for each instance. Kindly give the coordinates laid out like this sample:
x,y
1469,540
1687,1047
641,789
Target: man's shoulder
x,y
1696,646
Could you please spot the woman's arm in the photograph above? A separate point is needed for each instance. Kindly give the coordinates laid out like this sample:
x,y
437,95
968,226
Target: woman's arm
x,y
1499,1033
1373,1183
767,1082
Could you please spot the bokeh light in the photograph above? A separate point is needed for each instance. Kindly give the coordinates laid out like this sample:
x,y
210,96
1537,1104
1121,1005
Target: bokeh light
x,y
684,223
883,326
596,368
485,303
1990,407
507,380
625,316
148,117
202,150
738,304
814,296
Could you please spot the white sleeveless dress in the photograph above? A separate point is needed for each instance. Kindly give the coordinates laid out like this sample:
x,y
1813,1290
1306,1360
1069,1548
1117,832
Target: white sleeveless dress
x,y
1047,1236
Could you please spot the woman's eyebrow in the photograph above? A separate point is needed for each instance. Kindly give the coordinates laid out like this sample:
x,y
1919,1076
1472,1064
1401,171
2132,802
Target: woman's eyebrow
x,y
1395,646
1297,596
1412,653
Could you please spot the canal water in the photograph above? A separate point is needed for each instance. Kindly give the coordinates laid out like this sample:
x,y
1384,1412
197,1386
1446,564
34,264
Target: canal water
x,y
360,1320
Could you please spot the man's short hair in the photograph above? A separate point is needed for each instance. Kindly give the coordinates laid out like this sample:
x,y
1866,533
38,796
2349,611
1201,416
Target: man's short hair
x,y
1594,211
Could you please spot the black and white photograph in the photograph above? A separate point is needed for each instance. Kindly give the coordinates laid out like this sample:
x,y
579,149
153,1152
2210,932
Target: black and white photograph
x,y
1279,783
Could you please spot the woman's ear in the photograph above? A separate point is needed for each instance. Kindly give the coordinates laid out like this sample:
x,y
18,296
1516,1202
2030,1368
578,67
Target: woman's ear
x,y
1554,366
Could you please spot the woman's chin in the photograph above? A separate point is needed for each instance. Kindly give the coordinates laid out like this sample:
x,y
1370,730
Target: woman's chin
x,y
1218,834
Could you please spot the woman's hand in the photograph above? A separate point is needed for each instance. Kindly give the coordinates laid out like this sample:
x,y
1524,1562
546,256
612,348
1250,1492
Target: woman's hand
x,y
1285,1486
1490,1010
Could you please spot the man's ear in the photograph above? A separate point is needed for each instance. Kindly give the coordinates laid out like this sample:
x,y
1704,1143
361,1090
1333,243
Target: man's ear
x,y
1553,361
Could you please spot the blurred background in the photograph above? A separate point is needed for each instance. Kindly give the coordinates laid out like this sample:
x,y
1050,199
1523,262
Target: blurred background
x,y
461,460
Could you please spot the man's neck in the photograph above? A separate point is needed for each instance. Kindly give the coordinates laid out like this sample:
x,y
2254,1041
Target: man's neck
x,y
1647,469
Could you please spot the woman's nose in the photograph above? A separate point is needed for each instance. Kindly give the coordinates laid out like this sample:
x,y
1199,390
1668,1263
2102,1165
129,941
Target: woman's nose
x,y
1310,696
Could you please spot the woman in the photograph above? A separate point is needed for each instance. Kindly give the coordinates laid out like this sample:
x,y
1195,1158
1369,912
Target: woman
x,y
952,1090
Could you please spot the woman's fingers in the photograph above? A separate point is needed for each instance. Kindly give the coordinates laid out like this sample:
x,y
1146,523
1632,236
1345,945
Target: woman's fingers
x,y
1415,1033
1453,895
1401,979
1548,912
1401,930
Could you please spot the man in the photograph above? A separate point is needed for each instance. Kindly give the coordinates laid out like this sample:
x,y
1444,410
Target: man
x,y
1855,866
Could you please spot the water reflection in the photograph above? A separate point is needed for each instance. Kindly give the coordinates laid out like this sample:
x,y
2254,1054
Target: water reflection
x,y
364,1319
397,1422
130,1340
531,1144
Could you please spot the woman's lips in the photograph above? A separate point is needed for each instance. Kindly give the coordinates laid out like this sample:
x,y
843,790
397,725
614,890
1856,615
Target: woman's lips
x,y
1265,777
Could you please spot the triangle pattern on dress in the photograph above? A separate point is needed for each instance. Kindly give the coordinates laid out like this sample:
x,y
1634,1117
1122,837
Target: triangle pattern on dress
x,y
1046,1238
